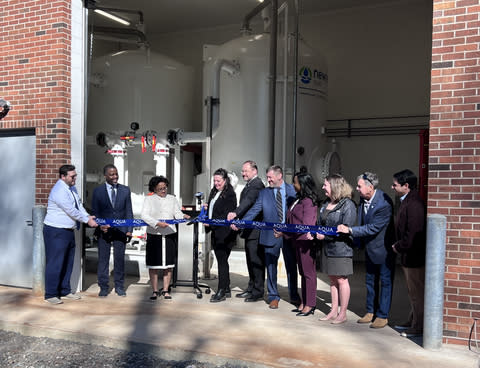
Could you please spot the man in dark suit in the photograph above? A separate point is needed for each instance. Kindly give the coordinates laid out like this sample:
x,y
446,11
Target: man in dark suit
x,y
254,252
375,232
112,201
411,245
273,202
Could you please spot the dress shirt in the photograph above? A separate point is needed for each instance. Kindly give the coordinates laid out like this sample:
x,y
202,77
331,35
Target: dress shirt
x,y
366,204
61,210
157,208
212,204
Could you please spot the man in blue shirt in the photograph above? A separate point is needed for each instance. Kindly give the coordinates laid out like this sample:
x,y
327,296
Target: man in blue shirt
x,y
64,214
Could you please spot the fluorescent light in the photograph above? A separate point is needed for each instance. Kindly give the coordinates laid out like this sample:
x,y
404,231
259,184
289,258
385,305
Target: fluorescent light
x,y
112,17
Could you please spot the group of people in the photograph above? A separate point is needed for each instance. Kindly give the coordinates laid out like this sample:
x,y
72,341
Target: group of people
x,y
370,225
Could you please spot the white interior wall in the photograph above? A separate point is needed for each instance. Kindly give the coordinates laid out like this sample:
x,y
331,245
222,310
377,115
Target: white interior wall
x,y
379,66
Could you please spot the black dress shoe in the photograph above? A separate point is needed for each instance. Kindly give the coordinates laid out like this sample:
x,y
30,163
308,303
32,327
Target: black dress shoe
x,y
103,293
219,296
245,294
252,299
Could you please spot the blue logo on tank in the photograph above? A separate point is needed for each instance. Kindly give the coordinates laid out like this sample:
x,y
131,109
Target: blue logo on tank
x,y
306,75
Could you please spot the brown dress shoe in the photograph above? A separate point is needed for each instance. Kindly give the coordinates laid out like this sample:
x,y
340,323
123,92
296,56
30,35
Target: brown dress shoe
x,y
367,318
273,304
379,323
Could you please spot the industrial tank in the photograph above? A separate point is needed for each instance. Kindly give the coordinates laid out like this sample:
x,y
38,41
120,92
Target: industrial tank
x,y
312,94
145,87
243,131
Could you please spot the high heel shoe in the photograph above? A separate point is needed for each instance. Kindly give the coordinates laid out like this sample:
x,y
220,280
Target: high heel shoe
x,y
154,295
167,297
304,314
298,309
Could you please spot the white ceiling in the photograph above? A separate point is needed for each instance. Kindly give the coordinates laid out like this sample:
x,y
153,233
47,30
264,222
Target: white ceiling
x,y
163,16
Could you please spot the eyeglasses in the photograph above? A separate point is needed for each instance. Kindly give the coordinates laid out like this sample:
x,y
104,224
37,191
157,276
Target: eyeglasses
x,y
163,189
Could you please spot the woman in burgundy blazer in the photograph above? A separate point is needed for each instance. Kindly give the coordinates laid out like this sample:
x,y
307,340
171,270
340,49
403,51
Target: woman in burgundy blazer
x,y
304,211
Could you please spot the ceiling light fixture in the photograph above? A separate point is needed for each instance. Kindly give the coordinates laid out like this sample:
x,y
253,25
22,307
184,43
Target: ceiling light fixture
x,y
112,17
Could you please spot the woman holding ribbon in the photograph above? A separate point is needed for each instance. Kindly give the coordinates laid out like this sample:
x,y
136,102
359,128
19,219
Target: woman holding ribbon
x,y
161,236
337,250
304,212
221,201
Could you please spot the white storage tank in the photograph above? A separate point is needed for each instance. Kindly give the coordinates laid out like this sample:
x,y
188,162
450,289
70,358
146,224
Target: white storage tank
x,y
138,86
312,95
244,131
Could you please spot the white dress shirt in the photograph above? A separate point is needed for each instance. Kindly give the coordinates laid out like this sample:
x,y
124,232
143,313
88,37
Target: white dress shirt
x,y
160,208
62,211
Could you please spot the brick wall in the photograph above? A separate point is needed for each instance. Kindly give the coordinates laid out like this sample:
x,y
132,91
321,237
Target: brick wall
x,y
35,64
454,166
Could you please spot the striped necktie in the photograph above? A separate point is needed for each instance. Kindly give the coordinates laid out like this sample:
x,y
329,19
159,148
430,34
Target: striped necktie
x,y
279,205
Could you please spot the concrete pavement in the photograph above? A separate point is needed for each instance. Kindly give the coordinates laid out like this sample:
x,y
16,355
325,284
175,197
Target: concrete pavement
x,y
231,331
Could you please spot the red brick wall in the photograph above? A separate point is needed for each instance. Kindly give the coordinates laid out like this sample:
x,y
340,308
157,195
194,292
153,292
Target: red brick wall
x,y
454,166
35,66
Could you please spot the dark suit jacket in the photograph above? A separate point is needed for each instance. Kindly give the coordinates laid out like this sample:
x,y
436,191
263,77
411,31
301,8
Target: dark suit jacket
x,y
304,213
265,204
247,199
410,231
376,233
226,203
102,207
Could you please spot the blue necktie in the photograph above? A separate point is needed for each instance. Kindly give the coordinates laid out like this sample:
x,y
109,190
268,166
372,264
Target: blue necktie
x,y
114,195
73,190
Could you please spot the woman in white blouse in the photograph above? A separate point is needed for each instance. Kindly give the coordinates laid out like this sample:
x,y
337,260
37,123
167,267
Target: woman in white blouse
x,y
161,237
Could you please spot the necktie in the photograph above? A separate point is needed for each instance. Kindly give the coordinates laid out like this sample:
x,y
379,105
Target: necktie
x,y
279,205
73,190
366,205
114,195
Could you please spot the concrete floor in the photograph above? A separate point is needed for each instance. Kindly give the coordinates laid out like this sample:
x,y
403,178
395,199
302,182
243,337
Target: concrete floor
x,y
231,331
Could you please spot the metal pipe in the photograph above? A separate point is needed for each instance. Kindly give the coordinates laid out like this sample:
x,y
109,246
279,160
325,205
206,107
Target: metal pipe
x,y
38,282
121,31
273,75
246,20
434,282
218,66
295,86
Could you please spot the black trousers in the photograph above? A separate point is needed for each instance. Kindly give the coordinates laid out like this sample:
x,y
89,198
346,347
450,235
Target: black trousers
x,y
222,253
255,254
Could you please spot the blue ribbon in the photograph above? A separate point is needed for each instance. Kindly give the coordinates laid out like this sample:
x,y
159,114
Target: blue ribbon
x,y
242,224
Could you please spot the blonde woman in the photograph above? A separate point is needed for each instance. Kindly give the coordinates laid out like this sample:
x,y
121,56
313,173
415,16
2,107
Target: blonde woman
x,y
337,250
